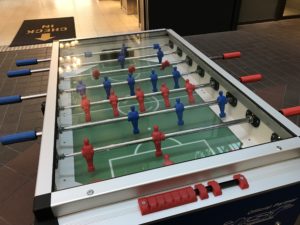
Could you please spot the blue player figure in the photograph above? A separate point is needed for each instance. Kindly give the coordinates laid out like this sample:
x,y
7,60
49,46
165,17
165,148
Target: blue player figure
x,y
179,108
107,86
176,75
80,88
156,46
222,101
154,78
124,49
133,117
121,59
131,82
160,55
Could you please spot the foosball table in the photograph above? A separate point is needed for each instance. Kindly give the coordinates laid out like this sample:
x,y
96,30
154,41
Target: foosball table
x,y
142,128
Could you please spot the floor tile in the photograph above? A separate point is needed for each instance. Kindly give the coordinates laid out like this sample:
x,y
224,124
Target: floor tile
x,y
13,182
26,163
7,154
20,213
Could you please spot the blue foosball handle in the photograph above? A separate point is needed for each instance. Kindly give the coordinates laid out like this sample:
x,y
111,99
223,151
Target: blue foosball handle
x,y
10,99
26,62
18,137
18,73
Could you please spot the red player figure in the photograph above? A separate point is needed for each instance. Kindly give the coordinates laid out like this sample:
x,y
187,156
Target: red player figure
x,y
113,99
157,137
85,105
167,160
96,74
164,64
165,94
87,152
140,98
190,88
131,69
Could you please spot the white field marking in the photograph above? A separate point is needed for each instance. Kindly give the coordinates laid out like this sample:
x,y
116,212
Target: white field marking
x,y
175,140
137,148
157,103
139,145
152,150
199,154
210,148
119,108
137,76
113,79
111,169
233,146
109,109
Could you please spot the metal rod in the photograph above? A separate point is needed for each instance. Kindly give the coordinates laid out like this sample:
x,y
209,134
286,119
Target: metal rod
x,y
44,60
223,124
115,60
89,124
168,135
114,51
125,82
121,70
33,96
133,97
40,70
39,133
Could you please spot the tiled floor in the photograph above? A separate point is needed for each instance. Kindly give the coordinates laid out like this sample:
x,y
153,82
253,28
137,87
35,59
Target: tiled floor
x,y
18,162
272,49
92,17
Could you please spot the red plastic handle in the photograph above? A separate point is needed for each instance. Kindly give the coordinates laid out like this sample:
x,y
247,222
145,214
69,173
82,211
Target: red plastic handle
x,y
216,188
291,111
243,183
251,78
231,55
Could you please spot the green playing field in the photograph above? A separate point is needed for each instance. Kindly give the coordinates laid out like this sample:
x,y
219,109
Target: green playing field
x,y
140,157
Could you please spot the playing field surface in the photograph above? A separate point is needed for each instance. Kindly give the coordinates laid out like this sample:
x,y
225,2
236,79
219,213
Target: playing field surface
x,y
140,157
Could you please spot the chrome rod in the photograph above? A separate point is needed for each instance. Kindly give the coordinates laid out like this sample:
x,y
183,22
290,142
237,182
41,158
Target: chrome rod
x,y
33,96
39,133
120,70
115,51
134,57
124,118
44,60
223,124
134,97
168,135
124,82
40,70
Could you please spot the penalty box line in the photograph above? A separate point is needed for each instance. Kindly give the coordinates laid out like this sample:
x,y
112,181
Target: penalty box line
x,y
153,150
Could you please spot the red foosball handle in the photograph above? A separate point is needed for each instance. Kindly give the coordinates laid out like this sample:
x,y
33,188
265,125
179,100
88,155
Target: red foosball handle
x,y
251,78
231,55
292,111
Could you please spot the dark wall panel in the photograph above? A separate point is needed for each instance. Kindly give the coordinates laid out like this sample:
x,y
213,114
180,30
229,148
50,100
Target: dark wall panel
x,y
186,18
258,10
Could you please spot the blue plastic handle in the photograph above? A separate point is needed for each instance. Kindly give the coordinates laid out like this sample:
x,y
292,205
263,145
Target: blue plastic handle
x,y
26,62
10,99
18,137
18,73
